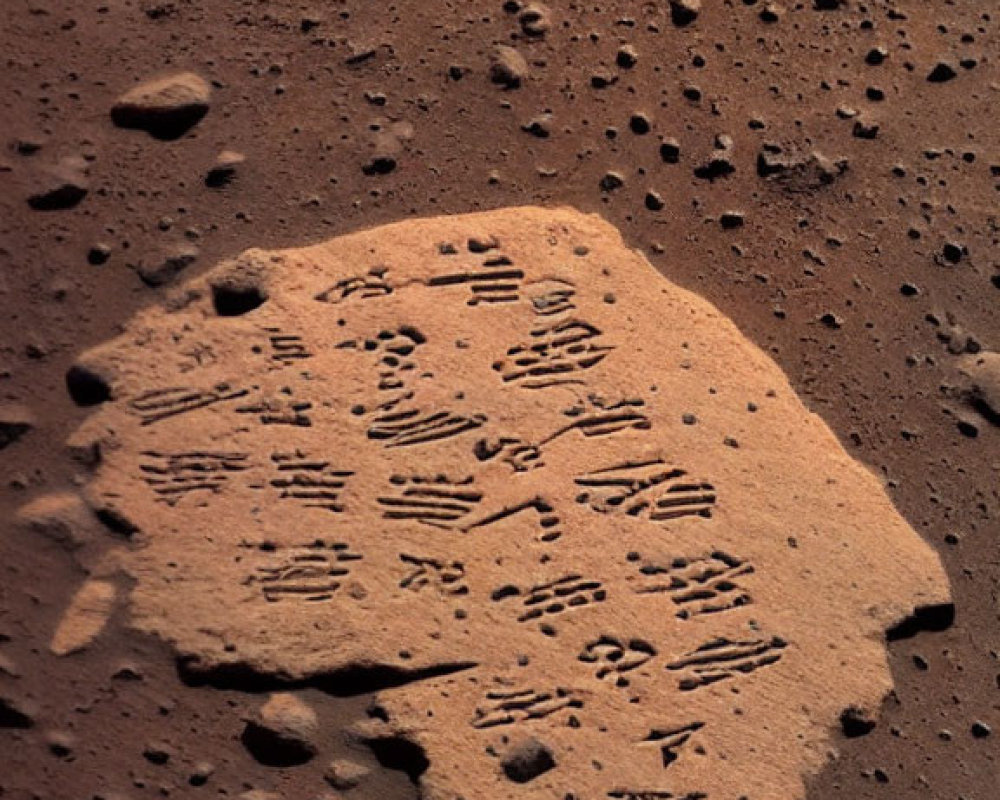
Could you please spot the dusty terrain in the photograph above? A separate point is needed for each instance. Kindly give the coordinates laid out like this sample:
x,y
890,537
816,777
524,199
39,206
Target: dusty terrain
x,y
825,175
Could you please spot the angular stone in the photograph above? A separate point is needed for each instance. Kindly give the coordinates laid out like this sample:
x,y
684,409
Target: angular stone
x,y
166,108
527,760
508,67
342,773
283,733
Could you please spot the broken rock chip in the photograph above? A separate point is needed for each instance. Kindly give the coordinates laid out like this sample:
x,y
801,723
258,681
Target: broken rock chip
x,y
483,464
166,108
526,760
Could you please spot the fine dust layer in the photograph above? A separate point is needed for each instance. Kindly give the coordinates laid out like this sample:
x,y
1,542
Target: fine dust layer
x,y
580,524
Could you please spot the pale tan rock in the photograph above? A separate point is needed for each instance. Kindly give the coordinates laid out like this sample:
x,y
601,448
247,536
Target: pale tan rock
x,y
498,462
85,618
63,517
165,107
342,773
283,732
290,716
68,520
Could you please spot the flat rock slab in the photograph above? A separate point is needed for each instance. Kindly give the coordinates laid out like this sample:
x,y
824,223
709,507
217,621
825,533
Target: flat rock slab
x,y
498,463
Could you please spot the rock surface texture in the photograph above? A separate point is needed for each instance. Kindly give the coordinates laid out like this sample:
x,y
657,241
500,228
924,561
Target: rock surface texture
x,y
499,467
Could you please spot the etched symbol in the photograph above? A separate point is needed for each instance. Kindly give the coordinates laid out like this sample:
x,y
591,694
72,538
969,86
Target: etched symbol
x,y
431,500
448,577
274,410
722,658
396,420
592,417
312,482
160,404
615,657
554,597
413,426
546,517
552,297
371,284
517,705
554,356
598,417
309,573
703,585
520,455
647,489
670,740
497,282
176,475
285,347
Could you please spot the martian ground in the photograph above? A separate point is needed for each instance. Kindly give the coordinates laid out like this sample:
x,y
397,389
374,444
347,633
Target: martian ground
x,y
459,400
